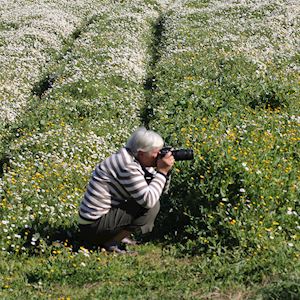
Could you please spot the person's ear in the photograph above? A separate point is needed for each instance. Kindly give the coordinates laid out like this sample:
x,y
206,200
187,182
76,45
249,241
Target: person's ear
x,y
140,154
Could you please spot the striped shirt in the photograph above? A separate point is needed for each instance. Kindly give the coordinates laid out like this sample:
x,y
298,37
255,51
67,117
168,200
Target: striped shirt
x,y
119,178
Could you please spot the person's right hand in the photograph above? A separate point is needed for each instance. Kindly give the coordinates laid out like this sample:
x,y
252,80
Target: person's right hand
x,y
165,164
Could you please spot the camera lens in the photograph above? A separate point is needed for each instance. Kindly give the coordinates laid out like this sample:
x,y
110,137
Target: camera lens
x,y
183,154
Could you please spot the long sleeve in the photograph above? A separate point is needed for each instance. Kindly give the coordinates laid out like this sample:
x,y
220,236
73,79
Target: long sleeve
x,y
134,182
118,178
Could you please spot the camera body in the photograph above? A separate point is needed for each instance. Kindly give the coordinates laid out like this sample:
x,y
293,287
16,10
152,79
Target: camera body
x,y
179,154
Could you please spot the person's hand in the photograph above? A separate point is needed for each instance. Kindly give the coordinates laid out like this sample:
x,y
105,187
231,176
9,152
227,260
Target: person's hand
x,y
165,164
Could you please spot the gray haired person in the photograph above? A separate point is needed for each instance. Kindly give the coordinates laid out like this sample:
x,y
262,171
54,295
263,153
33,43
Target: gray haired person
x,y
123,193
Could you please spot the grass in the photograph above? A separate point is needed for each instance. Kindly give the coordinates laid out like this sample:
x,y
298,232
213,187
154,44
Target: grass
x,y
154,273
211,95
206,78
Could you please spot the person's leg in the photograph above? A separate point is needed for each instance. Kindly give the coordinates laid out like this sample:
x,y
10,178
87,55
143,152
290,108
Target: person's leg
x,y
118,237
128,241
145,221
113,243
119,223
111,227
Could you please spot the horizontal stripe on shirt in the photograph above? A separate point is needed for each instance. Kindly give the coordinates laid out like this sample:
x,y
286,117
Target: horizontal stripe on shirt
x,y
118,178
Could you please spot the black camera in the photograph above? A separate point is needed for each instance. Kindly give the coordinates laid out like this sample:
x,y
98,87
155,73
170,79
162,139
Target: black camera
x,y
179,154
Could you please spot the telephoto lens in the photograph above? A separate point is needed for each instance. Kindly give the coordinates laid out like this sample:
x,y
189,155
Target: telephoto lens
x,y
179,154
183,154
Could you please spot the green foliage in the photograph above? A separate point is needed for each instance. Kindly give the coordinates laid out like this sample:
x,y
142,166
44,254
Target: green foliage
x,y
154,273
281,290
222,79
242,189
82,114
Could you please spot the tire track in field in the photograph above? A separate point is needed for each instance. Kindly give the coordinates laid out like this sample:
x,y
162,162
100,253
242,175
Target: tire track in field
x,y
150,81
49,78
156,49
43,87
47,81
39,89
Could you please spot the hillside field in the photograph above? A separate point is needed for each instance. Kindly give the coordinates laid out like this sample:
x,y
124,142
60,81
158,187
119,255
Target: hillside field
x,y
221,77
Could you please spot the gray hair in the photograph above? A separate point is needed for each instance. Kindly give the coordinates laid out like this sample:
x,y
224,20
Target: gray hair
x,y
144,140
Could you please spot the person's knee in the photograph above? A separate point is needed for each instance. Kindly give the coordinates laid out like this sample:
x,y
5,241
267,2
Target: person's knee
x,y
155,209
145,222
153,212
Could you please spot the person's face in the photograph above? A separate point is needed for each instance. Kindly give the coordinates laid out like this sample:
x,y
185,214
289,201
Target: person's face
x,y
148,159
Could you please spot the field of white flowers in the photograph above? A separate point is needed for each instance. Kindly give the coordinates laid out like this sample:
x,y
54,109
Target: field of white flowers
x,y
32,33
224,80
228,86
89,111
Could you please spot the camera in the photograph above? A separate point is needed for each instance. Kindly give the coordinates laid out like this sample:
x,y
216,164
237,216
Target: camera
x,y
179,154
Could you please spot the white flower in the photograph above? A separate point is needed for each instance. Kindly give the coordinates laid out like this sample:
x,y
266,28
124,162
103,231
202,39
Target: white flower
x,y
242,190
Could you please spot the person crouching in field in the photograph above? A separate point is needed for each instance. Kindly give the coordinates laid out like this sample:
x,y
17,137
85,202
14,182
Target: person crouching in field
x,y
123,193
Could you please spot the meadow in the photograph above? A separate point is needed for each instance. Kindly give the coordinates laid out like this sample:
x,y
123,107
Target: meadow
x,y
220,77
